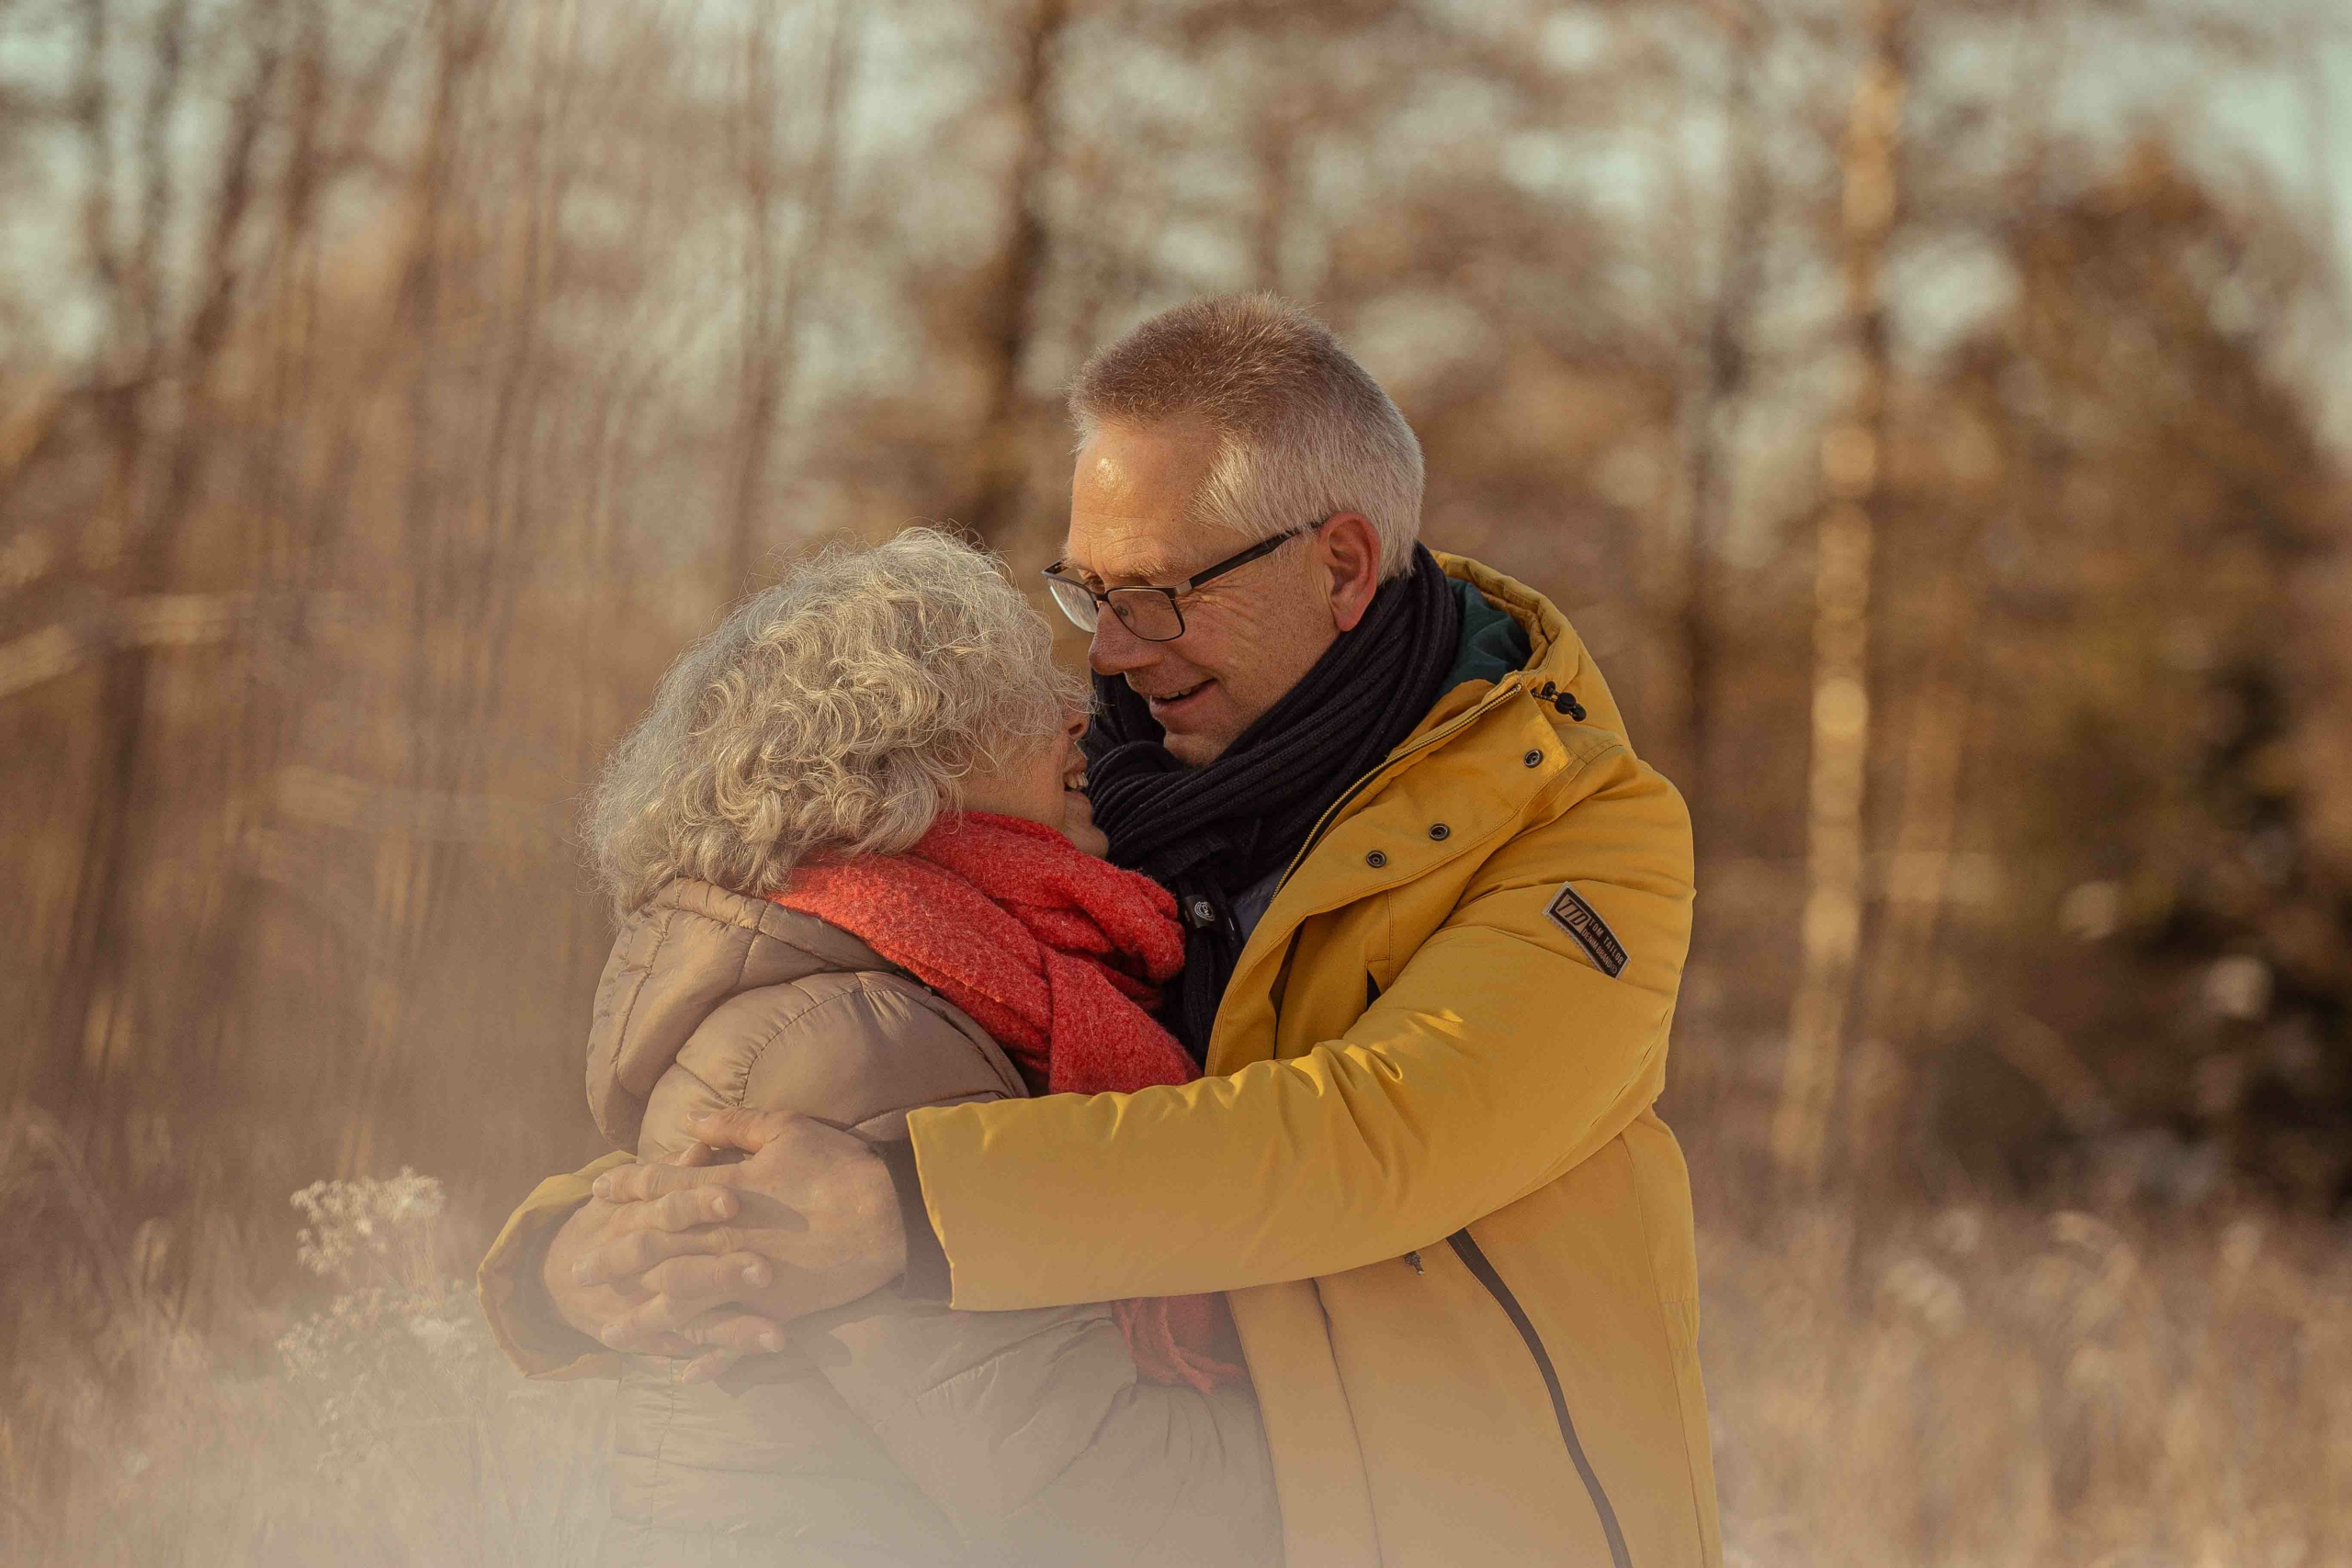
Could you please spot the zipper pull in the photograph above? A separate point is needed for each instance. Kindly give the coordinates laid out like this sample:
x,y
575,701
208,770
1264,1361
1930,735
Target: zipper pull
x,y
1415,1259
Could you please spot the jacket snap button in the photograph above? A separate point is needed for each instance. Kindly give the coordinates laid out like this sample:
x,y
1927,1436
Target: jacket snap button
x,y
1440,831
1534,759
1377,859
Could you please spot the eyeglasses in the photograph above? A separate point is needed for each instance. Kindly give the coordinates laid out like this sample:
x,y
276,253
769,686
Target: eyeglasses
x,y
1153,615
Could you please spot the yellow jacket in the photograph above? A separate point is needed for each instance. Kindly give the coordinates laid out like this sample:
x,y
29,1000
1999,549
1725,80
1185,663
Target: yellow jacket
x,y
1456,1238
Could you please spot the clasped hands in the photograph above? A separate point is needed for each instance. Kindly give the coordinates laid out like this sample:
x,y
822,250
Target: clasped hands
x,y
706,1262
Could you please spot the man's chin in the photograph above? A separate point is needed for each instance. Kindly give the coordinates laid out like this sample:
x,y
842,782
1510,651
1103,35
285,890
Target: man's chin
x,y
1194,750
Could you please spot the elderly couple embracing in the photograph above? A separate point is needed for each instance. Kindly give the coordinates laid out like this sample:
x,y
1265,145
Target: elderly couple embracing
x,y
1208,1123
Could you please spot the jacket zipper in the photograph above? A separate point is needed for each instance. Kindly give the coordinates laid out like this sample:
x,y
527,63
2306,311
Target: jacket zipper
x,y
1464,1245
1474,1257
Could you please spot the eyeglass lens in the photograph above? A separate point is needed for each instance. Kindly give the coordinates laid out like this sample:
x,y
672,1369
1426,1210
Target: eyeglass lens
x,y
1145,612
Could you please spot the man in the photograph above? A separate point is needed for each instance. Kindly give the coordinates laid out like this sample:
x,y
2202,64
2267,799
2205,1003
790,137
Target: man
x,y
1438,914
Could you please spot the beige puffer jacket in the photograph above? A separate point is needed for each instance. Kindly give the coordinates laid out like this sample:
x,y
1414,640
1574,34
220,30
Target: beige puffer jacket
x,y
888,1432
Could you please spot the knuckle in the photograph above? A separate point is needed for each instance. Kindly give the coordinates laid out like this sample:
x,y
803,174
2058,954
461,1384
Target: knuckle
x,y
715,1331
680,1277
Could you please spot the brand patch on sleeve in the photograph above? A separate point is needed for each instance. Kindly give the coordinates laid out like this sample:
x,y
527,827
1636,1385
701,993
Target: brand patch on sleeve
x,y
1581,921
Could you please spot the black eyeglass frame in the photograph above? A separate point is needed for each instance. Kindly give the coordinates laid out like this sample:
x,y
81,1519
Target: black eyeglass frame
x,y
1053,574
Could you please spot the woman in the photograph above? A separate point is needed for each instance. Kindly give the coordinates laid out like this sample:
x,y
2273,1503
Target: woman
x,y
855,874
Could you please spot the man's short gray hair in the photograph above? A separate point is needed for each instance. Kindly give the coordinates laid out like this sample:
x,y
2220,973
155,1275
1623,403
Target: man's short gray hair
x,y
1303,430
836,713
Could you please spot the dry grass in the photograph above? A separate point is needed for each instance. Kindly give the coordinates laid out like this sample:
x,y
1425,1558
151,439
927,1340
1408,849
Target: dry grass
x,y
1979,1386
1968,1386
379,1425
220,1467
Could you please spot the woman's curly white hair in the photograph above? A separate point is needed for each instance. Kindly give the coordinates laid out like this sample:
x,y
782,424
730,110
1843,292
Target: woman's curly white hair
x,y
834,714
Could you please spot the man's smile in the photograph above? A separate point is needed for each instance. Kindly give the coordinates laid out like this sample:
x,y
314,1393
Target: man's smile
x,y
1176,703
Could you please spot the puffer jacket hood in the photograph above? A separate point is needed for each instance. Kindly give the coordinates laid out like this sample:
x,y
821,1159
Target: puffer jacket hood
x,y
686,958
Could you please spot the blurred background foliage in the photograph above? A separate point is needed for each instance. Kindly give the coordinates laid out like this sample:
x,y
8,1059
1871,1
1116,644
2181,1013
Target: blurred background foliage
x,y
1929,411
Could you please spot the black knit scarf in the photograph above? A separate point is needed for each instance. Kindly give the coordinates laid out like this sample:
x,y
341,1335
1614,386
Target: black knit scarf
x,y
1209,833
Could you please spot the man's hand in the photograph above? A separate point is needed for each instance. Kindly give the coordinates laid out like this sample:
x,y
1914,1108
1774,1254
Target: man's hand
x,y
591,1308
810,1220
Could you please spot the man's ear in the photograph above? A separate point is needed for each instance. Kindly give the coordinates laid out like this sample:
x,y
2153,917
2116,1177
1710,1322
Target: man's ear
x,y
1348,550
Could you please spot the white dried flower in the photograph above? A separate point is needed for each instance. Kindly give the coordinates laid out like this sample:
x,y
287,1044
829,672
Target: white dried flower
x,y
1926,1292
401,1347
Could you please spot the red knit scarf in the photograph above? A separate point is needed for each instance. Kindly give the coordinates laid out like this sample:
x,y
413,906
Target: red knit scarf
x,y
1057,954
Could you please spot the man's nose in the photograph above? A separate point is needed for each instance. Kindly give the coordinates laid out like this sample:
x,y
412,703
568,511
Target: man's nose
x,y
1116,650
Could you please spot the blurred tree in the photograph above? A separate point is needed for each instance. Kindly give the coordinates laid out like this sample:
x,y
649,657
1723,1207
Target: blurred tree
x,y
2171,938
778,287
1723,350
1011,304
153,388
1852,461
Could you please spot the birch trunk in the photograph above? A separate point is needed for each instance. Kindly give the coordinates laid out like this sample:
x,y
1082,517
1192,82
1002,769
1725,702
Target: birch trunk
x,y
1904,956
1724,358
1853,473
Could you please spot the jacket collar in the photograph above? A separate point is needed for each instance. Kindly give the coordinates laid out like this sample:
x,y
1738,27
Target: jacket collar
x,y
1556,654
1481,733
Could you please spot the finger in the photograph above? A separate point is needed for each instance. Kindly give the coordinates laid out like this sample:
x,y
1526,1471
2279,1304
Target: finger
x,y
653,1321
683,1211
625,1258
676,1346
749,1131
715,1312
713,1279
697,1154
725,1338
642,1181
737,1332
728,1341
723,1355
723,1334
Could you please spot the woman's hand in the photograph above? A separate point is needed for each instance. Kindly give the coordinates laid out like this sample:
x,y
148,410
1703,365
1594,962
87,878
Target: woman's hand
x,y
717,1256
